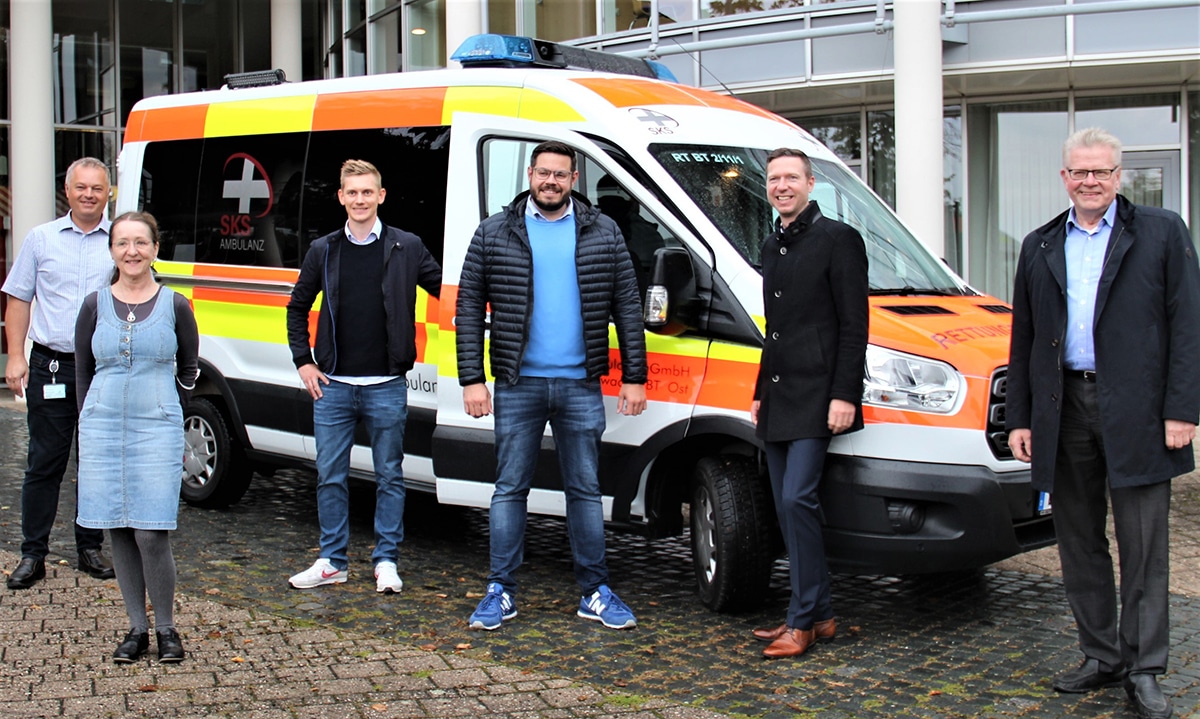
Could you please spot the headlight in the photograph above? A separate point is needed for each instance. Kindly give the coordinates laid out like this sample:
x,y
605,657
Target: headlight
x,y
902,381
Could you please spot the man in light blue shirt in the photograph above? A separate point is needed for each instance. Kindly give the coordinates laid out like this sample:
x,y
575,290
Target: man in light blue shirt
x,y
1085,251
60,263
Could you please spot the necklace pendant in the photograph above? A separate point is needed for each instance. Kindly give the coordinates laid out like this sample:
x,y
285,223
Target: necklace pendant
x,y
131,317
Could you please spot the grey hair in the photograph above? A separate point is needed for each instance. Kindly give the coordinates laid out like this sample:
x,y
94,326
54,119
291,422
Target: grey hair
x,y
89,162
1092,137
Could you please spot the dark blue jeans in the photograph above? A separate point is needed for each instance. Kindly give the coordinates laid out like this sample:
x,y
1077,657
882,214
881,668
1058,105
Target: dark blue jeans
x,y
51,433
575,410
384,409
795,469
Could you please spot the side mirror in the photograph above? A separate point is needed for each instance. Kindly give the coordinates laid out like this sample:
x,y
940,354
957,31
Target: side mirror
x,y
671,297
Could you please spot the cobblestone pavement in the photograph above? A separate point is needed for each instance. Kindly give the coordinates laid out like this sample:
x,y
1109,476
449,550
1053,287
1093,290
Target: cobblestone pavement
x,y
979,644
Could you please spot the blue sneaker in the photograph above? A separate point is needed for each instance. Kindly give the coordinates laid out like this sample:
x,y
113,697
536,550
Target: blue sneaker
x,y
607,608
496,607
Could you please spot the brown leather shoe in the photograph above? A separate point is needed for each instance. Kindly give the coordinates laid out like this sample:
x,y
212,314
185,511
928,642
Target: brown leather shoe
x,y
793,643
824,631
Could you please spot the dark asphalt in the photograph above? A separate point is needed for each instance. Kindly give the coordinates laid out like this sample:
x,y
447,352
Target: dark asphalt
x,y
982,644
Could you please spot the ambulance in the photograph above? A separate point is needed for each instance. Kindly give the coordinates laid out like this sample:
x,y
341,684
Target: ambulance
x,y
243,179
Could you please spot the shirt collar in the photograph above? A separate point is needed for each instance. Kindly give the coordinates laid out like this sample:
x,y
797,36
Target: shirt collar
x,y
376,231
1109,218
68,222
533,213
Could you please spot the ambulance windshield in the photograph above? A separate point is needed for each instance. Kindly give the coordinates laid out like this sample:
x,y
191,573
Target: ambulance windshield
x,y
729,185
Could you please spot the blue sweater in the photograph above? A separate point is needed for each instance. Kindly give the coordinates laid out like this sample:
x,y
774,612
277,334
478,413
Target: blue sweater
x,y
555,347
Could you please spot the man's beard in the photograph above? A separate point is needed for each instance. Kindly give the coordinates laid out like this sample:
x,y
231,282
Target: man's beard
x,y
555,207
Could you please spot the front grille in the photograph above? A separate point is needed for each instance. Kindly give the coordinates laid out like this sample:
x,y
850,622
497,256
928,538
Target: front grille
x,y
996,436
917,310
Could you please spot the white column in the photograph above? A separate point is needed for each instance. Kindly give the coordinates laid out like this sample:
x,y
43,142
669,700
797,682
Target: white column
x,y
286,50
32,143
464,18
919,150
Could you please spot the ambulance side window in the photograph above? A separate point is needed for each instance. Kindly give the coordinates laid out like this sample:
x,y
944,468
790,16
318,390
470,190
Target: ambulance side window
x,y
248,200
505,162
413,163
170,171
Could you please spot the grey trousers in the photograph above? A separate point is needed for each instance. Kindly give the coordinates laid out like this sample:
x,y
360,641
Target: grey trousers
x,y
1141,639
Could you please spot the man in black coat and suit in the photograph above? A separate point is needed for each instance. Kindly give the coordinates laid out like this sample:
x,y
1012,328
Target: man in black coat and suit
x,y
810,380
1106,334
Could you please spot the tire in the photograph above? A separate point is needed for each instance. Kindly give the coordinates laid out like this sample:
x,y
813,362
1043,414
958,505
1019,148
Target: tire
x,y
731,522
215,472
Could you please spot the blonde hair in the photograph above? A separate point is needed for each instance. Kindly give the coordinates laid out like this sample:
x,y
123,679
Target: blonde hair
x,y
354,168
1092,137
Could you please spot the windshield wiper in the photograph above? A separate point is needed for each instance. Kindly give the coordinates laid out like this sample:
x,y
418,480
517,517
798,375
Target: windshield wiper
x,y
907,291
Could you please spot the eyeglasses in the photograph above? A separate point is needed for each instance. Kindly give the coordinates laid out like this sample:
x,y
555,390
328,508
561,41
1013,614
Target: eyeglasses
x,y
1101,175
542,173
139,244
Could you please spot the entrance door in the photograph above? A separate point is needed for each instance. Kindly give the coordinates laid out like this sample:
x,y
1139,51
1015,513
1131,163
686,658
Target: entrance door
x,y
1152,178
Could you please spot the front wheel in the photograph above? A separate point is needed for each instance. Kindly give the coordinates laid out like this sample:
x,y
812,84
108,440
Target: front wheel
x,y
731,522
215,472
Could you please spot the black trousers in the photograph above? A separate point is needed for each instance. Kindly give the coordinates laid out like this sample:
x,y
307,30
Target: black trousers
x,y
795,469
51,433
1141,639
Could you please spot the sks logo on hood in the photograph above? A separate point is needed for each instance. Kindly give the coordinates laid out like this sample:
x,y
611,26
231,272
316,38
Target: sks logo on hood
x,y
248,184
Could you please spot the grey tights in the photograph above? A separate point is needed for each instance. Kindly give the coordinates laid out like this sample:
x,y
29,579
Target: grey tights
x,y
145,565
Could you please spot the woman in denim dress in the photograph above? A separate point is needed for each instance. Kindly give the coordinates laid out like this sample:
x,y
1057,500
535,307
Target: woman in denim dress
x,y
136,360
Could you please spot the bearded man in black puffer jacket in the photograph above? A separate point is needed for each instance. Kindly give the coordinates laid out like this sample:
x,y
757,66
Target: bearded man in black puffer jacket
x,y
554,270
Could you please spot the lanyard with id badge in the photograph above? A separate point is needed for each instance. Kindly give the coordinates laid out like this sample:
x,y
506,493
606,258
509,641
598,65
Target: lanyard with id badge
x,y
54,390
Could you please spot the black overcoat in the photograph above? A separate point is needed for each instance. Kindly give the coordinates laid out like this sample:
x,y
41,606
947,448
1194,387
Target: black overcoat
x,y
1147,337
815,301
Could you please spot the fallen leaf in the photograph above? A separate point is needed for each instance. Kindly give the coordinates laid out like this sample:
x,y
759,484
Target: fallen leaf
x,y
781,690
247,641
620,683
212,590
474,595
379,707
935,693
148,688
649,650
464,645
239,660
63,562
653,604
439,595
429,647
214,635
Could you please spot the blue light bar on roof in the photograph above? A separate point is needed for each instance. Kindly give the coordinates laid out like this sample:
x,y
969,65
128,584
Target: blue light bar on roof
x,y
493,50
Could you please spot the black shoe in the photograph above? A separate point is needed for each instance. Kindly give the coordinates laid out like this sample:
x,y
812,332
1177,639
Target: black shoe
x,y
28,572
132,647
1146,696
93,563
1088,677
170,648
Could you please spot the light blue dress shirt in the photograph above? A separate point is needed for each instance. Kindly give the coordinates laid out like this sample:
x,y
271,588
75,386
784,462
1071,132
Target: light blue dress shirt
x,y
1085,251
59,265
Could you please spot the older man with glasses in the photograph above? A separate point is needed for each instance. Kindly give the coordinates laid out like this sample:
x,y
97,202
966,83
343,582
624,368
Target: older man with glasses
x,y
1103,400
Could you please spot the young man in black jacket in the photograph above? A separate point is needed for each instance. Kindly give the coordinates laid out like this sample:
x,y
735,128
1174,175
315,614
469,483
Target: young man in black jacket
x,y
366,343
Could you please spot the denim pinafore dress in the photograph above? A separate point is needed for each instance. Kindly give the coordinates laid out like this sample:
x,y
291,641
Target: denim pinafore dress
x,y
131,424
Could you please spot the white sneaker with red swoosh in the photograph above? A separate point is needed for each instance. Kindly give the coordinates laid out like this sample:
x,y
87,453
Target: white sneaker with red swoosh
x,y
321,572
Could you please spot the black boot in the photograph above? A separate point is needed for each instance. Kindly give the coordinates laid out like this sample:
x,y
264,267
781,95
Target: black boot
x,y
28,572
93,563
170,647
132,648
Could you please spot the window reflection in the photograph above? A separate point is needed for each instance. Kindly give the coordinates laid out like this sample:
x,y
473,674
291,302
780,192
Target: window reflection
x,y
83,62
146,50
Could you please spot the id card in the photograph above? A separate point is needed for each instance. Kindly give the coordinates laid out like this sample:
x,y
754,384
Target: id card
x,y
1043,503
54,391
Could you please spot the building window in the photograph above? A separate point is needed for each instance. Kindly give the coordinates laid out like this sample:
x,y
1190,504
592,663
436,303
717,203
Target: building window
x,y
560,20
952,186
82,47
840,133
1018,147
210,45
385,46
426,35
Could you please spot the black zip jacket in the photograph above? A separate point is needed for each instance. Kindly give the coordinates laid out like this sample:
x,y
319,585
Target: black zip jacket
x,y
498,269
406,264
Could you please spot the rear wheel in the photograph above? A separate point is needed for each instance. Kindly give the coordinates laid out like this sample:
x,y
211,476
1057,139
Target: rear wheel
x,y
215,472
732,523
